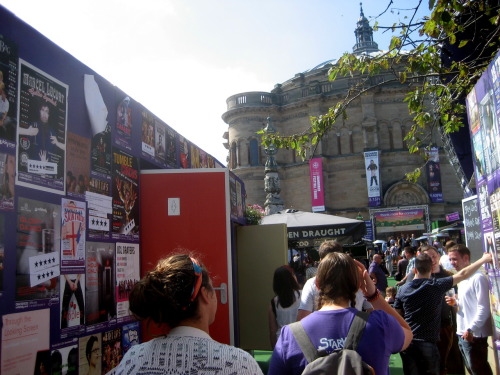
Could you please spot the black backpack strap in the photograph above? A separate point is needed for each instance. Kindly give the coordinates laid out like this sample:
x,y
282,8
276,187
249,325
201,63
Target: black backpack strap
x,y
356,330
304,341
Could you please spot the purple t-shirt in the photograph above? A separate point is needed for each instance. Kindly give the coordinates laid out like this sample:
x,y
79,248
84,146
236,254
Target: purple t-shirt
x,y
382,337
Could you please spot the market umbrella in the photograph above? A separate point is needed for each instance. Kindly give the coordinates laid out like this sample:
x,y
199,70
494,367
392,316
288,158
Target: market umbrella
x,y
303,225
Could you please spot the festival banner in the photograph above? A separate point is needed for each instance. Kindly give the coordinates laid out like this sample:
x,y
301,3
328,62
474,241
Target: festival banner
x,y
41,131
38,250
73,230
400,220
127,274
8,94
125,225
316,179
433,173
25,342
100,303
373,178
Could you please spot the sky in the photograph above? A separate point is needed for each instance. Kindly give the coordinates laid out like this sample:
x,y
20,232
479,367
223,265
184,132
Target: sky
x,y
182,59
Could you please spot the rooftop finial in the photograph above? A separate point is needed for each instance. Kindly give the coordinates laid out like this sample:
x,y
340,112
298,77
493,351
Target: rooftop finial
x,y
361,6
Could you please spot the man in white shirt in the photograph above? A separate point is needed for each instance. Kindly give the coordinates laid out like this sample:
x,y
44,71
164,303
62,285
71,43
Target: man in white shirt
x,y
474,323
310,291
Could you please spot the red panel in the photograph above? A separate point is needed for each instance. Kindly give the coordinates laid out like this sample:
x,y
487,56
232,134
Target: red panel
x,y
201,227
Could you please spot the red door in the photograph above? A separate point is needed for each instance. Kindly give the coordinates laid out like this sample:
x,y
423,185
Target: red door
x,y
189,209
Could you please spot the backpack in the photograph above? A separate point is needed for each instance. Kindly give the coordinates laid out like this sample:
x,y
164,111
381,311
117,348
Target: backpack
x,y
344,361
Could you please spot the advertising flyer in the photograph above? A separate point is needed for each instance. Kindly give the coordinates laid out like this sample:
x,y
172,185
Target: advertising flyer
x,y
72,303
130,336
64,358
100,303
125,225
41,132
127,274
123,128
78,165
7,181
90,354
171,154
148,134
111,349
73,230
8,94
38,250
25,342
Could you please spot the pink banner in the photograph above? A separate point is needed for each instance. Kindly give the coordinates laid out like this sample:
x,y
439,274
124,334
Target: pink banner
x,y
317,193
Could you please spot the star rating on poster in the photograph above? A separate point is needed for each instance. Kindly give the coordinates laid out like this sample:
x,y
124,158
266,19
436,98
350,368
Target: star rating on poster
x,y
43,267
98,223
41,167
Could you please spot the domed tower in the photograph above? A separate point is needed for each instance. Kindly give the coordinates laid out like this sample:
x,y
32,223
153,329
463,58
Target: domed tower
x,y
364,36
377,120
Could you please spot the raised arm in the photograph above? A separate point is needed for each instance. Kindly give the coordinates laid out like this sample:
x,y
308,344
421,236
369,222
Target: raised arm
x,y
468,271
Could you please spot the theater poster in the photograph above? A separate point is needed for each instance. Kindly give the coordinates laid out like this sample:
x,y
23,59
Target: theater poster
x,y
373,178
25,342
123,128
78,165
8,102
111,349
73,230
148,135
7,181
130,336
100,305
125,225
127,274
38,250
41,131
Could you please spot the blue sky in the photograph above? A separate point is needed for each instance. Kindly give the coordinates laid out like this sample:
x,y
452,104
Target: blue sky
x,y
183,58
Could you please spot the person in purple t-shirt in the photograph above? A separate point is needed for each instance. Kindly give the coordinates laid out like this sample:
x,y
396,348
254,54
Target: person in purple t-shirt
x,y
377,274
338,279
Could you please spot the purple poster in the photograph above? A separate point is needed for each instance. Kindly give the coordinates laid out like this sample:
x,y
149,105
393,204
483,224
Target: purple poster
x,y
433,173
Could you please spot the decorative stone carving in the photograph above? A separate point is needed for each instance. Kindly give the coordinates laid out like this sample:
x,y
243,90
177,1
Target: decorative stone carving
x,y
404,193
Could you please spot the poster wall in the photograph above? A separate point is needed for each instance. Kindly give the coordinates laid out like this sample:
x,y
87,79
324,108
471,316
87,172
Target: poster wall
x,y
483,109
72,146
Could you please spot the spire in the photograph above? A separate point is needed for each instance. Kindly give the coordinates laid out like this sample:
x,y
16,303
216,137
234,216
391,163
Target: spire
x,y
273,203
364,35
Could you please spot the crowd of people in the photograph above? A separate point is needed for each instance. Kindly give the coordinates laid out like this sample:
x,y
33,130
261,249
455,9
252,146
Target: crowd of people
x,y
416,318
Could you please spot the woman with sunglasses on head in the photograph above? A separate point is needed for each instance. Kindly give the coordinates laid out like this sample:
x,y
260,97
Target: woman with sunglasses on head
x,y
179,292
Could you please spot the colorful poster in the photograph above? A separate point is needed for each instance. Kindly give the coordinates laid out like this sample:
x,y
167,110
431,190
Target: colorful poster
x,y
64,358
130,336
400,220
41,132
433,173
171,154
90,351
123,133
195,156
7,181
78,169
100,212
127,274
26,343
160,141
100,148
316,179
125,225
100,303
38,250
73,229
72,303
111,349
8,94
184,153
373,178
148,134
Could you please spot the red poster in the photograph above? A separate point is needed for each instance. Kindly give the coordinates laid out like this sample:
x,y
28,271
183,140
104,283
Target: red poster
x,y
317,192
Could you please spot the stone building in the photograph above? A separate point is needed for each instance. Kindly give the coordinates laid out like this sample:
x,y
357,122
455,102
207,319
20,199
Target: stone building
x,y
378,120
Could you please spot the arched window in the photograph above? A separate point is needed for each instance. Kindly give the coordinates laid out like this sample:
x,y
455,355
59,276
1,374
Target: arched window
x,y
254,153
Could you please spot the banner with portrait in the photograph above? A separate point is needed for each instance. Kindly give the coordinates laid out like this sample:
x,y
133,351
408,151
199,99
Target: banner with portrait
x,y
373,178
433,173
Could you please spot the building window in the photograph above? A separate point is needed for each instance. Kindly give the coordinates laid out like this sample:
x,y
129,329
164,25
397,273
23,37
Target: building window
x,y
254,153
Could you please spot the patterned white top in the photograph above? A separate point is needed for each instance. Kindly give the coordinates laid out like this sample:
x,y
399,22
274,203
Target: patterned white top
x,y
187,350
